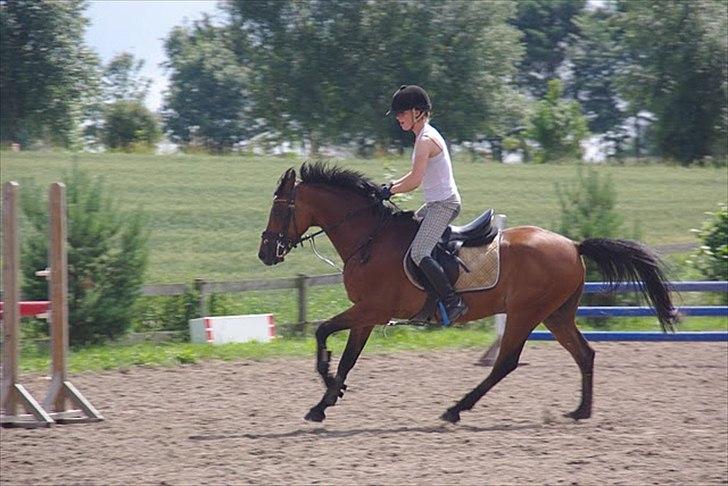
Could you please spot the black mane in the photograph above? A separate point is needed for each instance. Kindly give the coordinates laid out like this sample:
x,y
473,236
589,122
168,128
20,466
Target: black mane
x,y
332,175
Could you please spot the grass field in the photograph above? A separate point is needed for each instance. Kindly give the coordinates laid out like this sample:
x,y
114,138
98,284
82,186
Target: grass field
x,y
207,213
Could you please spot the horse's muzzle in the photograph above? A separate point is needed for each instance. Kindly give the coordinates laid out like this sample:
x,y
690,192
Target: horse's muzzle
x,y
271,252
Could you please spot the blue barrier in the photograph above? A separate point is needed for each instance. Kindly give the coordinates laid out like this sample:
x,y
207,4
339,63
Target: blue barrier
x,y
686,286
623,311
702,336
620,311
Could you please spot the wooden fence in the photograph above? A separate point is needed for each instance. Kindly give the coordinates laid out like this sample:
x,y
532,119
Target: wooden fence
x,y
205,289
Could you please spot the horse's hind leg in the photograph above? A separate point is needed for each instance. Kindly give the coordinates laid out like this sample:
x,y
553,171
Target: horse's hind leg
x,y
563,326
518,328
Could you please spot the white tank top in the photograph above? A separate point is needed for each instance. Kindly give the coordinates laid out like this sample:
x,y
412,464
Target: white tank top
x,y
438,184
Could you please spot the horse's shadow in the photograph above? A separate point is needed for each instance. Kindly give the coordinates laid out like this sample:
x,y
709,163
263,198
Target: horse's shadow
x,y
324,433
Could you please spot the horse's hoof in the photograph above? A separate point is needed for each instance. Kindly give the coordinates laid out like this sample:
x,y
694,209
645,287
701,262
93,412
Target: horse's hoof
x,y
315,415
578,415
451,415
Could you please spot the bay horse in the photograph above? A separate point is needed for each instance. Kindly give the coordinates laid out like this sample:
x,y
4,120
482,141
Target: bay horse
x,y
541,277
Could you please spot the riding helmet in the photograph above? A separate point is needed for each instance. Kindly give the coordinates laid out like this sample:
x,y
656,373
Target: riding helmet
x,y
408,97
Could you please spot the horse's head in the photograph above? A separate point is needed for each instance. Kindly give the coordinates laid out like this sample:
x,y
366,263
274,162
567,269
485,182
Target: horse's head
x,y
285,226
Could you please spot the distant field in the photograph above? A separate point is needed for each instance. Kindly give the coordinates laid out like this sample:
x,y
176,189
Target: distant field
x,y
207,213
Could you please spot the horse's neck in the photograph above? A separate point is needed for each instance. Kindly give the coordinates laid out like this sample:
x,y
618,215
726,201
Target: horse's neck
x,y
338,213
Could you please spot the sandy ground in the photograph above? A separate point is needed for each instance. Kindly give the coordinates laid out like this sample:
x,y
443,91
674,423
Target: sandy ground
x,y
660,417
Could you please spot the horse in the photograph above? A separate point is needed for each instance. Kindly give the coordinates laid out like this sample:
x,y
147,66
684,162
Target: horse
x,y
541,277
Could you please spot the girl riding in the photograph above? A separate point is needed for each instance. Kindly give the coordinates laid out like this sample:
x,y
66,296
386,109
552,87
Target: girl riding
x,y
431,168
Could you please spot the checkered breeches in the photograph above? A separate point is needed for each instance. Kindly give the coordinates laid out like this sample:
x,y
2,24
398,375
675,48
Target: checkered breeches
x,y
435,218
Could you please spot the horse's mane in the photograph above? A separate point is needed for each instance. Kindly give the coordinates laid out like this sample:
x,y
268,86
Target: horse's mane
x,y
332,175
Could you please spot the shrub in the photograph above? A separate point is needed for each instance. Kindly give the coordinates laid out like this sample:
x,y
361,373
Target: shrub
x,y
107,256
712,256
588,207
167,313
129,126
588,211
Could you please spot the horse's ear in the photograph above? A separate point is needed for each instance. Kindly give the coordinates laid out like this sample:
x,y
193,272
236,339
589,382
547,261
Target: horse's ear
x,y
286,182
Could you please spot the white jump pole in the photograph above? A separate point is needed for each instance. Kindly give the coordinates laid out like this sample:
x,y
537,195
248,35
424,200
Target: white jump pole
x,y
499,221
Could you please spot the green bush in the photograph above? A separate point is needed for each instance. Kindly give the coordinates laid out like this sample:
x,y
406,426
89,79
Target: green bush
x,y
129,126
588,211
167,313
107,256
712,256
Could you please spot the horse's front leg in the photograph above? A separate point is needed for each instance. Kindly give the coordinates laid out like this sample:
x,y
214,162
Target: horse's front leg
x,y
360,323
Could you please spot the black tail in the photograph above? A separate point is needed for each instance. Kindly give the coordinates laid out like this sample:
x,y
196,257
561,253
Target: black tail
x,y
629,261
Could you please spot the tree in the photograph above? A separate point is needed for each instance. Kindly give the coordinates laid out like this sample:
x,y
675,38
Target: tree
x,y
118,117
208,99
596,58
328,69
679,51
546,25
476,54
107,256
129,125
48,75
122,79
557,125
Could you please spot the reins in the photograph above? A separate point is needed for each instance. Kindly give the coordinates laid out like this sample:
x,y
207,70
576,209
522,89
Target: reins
x,y
381,222
285,244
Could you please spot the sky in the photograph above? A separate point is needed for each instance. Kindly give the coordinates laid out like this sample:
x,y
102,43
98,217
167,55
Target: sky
x,y
139,27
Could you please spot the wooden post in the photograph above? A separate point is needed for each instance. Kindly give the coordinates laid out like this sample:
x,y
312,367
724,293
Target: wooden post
x,y
489,357
61,389
302,286
12,392
201,287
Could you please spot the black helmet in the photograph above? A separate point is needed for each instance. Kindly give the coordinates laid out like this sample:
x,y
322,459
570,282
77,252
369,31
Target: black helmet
x,y
408,97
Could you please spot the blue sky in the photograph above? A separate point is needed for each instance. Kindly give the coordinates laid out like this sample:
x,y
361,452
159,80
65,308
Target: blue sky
x,y
138,27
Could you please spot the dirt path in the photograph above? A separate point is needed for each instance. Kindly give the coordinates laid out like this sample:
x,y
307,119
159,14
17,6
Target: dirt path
x,y
660,417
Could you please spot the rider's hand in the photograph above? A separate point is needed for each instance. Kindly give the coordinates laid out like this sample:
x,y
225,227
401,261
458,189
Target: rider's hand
x,y
384,192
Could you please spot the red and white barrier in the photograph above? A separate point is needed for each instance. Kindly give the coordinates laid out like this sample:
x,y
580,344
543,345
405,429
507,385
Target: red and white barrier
x,y
233,329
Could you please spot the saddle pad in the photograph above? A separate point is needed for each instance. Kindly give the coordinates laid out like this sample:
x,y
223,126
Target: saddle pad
x,y
483,263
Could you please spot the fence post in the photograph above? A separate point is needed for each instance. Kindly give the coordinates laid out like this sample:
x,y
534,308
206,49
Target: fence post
x,y
302,286
12,393
201,287
11,308
61,389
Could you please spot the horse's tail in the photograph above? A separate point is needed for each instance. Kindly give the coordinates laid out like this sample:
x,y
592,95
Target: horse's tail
x,y
629,261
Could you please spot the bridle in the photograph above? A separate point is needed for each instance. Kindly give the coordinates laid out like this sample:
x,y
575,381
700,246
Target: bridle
x,y
284,244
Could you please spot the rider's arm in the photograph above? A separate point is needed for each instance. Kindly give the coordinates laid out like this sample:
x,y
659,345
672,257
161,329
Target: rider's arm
x,y
413,178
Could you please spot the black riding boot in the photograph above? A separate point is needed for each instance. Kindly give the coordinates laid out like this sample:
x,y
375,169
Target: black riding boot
x,y
454,305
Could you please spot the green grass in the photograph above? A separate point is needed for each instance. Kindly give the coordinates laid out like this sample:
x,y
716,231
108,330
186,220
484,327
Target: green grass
x,y
383,339
207,212
118,356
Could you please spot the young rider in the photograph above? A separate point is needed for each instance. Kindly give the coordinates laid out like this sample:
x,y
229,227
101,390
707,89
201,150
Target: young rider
x,y
431,168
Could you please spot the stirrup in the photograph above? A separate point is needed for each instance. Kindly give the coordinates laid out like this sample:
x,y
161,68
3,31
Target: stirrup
x,y
457,311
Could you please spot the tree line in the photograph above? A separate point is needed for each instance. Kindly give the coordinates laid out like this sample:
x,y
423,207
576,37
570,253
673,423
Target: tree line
x,y
532,75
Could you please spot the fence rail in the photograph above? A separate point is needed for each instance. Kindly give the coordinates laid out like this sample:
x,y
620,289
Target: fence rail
x,y
302,282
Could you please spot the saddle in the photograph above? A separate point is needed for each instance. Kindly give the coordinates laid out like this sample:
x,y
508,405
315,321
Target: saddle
x,y
478,233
